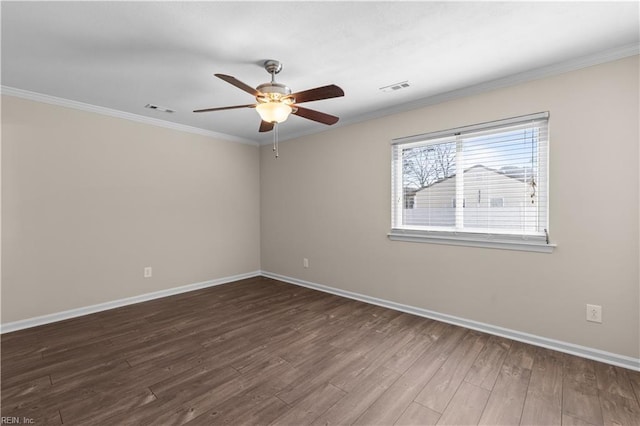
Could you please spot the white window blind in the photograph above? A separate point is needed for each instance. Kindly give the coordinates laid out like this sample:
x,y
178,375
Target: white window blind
x,y
485,182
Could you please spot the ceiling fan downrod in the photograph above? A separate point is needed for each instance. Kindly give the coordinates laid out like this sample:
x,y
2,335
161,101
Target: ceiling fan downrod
x,y
273,67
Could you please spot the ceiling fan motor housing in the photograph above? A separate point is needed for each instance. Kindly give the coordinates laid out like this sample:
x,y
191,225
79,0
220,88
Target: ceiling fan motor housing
x,y
273,91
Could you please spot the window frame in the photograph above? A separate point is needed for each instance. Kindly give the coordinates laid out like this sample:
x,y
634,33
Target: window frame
x,y
510,240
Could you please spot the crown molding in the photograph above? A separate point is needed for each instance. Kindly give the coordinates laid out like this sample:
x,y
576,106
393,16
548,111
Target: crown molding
x,y
53,100
512,80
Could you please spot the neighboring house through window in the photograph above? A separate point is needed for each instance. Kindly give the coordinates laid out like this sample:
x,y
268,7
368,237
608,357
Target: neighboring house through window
x,y
497,202
474,184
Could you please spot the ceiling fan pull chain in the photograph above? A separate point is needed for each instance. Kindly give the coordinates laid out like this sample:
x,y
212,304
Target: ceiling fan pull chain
x,y
275,139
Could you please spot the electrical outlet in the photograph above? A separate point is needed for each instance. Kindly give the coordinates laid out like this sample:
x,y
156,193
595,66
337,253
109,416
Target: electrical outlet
x,y
594,313
147,272
305,262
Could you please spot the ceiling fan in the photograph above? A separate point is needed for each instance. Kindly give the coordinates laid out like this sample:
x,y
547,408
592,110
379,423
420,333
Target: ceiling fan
x,y
275,102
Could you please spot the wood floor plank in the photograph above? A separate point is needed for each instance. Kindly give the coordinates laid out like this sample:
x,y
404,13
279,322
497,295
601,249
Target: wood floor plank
x,y
417,415
444,384
581,401
574,421
634,378
396,324
322,371
192,380
215,401
15,394
404,356
23,369
348,335
318,375
543,404
436,329
77,389
254,407
486,368
507,398
15,350
349,407
580,370
614,380
103,405
261,351
390,406
256,399
348,377
618,410
77,351
308,409
173,394
580,391
466,406
312,345
87,370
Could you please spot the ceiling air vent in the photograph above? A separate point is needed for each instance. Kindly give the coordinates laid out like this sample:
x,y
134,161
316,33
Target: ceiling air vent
x,y
395,86
158,108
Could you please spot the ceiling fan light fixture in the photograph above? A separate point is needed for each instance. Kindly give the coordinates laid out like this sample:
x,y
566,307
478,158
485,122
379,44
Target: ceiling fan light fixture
x,y
274,112
275,102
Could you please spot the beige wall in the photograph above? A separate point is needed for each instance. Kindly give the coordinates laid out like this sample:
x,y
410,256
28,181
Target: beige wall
x,y
89,200
327,198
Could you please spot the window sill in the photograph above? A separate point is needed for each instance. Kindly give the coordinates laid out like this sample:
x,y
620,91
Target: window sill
x,y
503,242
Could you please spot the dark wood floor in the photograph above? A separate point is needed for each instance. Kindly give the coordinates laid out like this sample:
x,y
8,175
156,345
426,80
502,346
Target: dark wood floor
x,y
263,352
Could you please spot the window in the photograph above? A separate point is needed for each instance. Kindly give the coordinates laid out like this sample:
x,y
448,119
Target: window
x,y
479,185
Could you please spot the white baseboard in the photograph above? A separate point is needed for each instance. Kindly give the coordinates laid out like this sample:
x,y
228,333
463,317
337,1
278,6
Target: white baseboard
x,y
570,348
73,313
557,345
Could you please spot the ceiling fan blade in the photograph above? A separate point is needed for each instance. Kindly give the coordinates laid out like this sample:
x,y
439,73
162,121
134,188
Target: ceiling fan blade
x,y
223,108
318,116
240,85
319,93
265,126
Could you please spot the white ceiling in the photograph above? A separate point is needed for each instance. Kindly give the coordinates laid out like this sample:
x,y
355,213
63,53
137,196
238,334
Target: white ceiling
x,y
123,55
